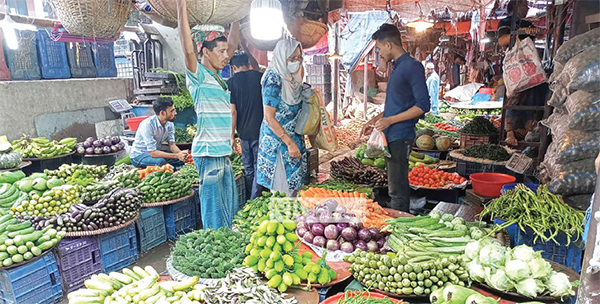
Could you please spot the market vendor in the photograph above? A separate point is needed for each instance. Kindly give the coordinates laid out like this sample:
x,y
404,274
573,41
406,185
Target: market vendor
x,y
406,101
517,9
212,144
150,135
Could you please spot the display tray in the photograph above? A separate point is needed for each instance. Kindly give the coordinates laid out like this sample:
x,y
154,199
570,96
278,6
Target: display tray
x,y
458,154
42,159
341,268
365,295
158,204
76,234
28,261
21,166
413,297
513,296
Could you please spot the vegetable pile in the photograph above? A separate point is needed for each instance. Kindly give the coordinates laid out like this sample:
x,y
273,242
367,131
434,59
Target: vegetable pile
x,y
521,269
487,151
96,190
400,275
66,170
93,146
544,213
446,127
54,201
209,253
275,206
376,158
189,173
460,295
116,208
20,241
364,297
182,136
150,169
416,159
9,194
271,251
479,126
41,147
329,226
161,186
432,178
236,164
339,184
432,236
349,133
351,170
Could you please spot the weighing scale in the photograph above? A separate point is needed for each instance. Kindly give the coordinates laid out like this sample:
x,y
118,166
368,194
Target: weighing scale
x,y
122,107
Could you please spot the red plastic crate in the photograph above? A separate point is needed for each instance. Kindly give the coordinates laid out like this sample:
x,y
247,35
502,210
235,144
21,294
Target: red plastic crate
x,y
78,259
468,140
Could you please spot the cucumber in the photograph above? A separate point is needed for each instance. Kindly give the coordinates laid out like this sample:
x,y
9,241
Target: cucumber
x,y
7,223
13,234
24,238
140,271
28,255
17,258
51,232
22,249
4,255
7,262
131,274
36,251
21,226
5,218
12,250
29,245
46,245
42,239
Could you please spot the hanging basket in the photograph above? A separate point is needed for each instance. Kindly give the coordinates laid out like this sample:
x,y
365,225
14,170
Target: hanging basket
x,y
204,11
307,32
93,18
263,45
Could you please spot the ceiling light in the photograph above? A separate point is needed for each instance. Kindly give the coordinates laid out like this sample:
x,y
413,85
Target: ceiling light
x,y
420,24
266,20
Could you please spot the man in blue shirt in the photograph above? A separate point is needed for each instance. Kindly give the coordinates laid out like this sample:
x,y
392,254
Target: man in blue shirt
x,y
152,132
406,101
433,86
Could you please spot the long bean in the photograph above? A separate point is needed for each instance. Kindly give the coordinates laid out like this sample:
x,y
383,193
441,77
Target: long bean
x,y
362,298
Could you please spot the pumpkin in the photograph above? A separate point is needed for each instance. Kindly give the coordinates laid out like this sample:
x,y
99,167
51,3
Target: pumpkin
x,y
443,143
9,160
425,142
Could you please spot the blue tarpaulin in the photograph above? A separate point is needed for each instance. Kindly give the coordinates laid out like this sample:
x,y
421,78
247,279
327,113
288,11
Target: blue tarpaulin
x,y
356,36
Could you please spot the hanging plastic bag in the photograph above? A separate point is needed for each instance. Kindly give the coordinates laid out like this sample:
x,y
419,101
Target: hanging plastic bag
x,y
308,122
325,139
377,146
522,67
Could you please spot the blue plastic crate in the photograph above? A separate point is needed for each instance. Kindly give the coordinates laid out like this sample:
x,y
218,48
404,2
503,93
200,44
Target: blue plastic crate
x,y
78,259
465,169
180,218
81,60
23,62
151,228
104,59
509,187
118,249
571,256
37,282
53,56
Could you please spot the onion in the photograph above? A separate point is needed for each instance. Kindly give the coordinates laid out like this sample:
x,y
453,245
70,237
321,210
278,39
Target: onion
x,y
331,204
340,209
341,226
325,217
319,241
381,242
364,234
333,245
362,245
349,234
375,233
308,237
372,246
331,232
317,229
337,217
347,247
301,231
355,223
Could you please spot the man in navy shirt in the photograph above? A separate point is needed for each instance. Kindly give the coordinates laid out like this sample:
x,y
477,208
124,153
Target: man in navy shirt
x,y
406,101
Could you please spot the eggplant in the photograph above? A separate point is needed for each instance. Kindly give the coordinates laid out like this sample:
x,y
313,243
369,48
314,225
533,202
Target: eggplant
x,y
107,142
89,150
106,149
113,148
115,140
97,143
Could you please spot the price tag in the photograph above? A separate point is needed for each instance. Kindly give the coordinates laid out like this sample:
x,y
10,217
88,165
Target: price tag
x,y
119,105
519,163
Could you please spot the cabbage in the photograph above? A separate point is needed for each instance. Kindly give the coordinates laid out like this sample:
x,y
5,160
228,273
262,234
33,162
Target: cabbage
x,y
517,270
540,268
530,287
559,285
498,280
492,255
472,250
523,253
476,271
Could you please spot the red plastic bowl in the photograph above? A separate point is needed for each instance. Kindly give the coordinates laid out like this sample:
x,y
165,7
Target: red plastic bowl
x,y
134,122
490,184
373,295
486,91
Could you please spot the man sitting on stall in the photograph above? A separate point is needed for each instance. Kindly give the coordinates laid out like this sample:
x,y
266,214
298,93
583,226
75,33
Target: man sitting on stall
x,y
433,86
152,132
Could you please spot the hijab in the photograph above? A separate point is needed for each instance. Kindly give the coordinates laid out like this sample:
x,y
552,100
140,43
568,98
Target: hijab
x,y
291,83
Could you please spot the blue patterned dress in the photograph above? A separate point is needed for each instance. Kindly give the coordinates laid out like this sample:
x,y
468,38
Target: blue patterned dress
x,y
270,145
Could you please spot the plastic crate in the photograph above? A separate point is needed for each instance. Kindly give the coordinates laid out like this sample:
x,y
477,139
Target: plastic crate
x,y
509,187
318,69
77,260
571,256
104,59
53,57
23,62
319,79
37,282
180,218
118,249
465,169
4,71
81,60
240,185
468,140
320,59
151,228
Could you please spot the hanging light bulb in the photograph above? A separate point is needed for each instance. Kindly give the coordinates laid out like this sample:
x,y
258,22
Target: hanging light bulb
x,y
266,20
8,28
420,24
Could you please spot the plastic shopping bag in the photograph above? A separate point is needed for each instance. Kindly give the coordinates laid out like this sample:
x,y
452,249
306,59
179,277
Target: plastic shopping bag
x,y
522,67
377,146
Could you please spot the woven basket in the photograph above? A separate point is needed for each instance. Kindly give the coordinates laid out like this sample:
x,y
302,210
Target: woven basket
x,y
263,45
307,32
204,11
93,18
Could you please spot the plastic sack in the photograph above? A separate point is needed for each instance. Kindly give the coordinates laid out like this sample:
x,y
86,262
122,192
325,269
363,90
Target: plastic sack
x,y
308,119
557,123
584,110
559,96
579,202
570,184
582,72
576,145
464,92
325,139
522,67
577,45
377,146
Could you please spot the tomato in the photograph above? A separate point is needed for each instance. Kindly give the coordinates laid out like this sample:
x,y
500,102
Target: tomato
x,y
421,166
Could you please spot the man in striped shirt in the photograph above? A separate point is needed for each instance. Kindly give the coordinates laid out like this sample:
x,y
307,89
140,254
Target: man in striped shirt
x,y
211,146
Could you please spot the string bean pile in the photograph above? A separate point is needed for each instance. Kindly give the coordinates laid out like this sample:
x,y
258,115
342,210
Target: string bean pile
x,y
544,213
362,298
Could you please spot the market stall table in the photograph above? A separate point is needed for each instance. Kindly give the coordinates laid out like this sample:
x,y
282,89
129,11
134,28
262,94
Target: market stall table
x,y
52,163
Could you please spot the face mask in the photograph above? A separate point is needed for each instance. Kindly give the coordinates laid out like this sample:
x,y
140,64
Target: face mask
x,y
293,66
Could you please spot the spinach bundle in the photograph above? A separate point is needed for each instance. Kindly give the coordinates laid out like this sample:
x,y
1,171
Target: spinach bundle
x,y
479,126
487,151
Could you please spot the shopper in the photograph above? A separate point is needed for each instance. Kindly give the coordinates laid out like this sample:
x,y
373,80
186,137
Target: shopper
x,y
211,146
150,135
247,114
282,156
406,101
433,86
455,72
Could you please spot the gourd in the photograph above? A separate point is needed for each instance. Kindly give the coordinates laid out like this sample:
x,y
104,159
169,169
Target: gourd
x,y
8,158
